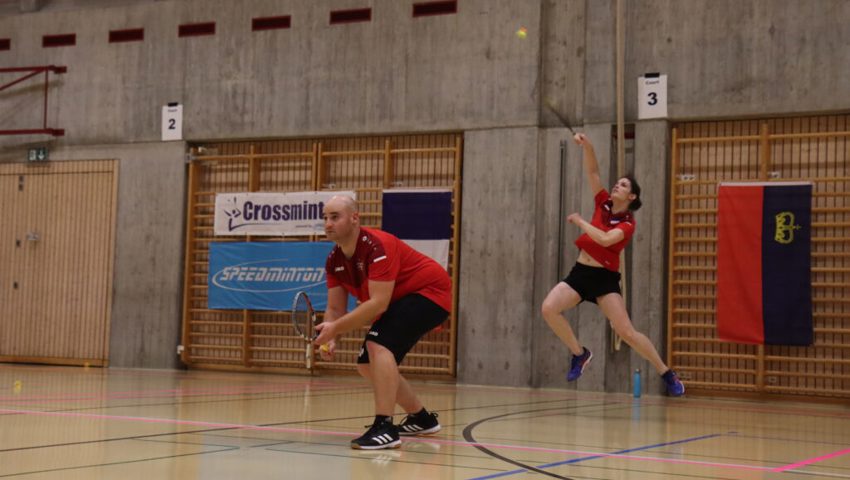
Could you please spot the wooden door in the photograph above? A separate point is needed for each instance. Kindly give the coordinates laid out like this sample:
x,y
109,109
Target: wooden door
x,y
58,243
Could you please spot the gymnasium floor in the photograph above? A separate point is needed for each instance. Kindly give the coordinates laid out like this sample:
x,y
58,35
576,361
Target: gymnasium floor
x,y
76,423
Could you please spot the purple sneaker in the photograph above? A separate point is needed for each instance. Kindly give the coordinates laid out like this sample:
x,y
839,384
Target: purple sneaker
x,y
675,387
577,365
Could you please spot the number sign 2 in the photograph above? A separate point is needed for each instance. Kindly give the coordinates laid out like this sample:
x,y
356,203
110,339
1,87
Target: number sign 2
x,y
172,122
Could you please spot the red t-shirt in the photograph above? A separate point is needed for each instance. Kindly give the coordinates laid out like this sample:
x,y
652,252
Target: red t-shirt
x,y
605,220
383,257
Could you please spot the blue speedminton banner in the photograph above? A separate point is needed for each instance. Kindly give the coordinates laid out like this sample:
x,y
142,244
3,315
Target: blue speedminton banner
x,y
267,275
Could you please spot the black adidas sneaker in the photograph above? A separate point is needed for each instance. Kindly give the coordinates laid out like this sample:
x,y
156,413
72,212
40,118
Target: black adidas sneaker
x,y
379,435
419,424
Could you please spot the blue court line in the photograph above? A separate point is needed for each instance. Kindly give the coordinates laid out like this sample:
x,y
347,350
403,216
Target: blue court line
x,y
602,455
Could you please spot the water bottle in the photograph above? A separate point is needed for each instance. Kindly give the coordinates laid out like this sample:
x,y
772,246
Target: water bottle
x,y
636,383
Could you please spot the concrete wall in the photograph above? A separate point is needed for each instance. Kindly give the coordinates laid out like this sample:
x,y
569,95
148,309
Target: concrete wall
x,y
648,268
398,73
393,74
730,58
465,72
497,262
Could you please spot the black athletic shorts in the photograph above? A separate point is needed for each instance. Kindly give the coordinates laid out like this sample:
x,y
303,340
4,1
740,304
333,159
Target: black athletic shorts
x,y
402,325
592,282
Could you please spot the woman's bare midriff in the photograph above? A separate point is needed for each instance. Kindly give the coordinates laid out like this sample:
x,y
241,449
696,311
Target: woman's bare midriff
x,y
585,259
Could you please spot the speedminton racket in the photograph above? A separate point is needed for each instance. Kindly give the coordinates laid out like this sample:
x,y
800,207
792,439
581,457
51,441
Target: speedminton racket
x,y
303,316
303,319
560,117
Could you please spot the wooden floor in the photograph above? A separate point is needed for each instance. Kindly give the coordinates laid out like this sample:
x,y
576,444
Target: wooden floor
x,y
77,423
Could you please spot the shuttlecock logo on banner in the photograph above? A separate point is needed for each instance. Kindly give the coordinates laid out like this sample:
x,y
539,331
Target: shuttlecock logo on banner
x,y
422,219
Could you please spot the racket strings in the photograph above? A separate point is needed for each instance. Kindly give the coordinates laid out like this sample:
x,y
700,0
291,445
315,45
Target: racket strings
x,y
302,318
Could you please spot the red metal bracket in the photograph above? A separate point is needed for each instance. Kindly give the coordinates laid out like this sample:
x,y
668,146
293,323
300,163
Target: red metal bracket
x,y
30,72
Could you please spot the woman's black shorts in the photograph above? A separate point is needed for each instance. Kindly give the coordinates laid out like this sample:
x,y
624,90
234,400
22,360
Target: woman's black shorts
x,y
402,325
592,282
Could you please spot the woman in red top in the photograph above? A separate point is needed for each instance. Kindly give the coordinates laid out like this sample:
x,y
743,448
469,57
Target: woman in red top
x,y
595,276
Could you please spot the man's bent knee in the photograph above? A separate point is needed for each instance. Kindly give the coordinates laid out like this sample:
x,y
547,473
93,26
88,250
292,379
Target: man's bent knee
x,y
364,369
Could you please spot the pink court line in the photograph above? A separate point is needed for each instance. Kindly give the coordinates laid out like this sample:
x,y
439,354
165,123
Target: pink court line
x,y
308,431
659,401
177,392
811,460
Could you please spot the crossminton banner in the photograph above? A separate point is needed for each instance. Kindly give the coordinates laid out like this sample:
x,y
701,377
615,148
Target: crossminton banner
x,y
764,288
272,213
422,218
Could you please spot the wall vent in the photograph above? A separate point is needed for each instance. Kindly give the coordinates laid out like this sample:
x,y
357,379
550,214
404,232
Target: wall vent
x,y
64,40
270,23
351,16
128,35
427,9
196,29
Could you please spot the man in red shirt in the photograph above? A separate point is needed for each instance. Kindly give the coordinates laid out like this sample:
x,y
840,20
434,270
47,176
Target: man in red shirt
x,y
596,277
403,294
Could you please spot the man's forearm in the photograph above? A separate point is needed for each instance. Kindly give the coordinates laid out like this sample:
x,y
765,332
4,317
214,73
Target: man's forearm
x,y
364,314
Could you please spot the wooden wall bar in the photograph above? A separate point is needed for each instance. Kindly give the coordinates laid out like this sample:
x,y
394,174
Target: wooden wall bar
x,y
260,341
815,149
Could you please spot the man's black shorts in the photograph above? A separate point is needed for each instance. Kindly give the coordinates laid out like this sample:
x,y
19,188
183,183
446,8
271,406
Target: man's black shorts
x,y
592,282
402,325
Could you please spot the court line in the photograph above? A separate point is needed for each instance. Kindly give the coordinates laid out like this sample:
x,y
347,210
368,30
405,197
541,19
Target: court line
x,y
793,440
818,474
372,454
309,431
467,433
474,444
167,393
112,464
689,403
812,460
214,429
486,449
736,405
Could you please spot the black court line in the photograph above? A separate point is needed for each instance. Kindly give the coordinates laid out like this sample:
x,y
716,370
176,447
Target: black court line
x,y
406,449
304,422
110,464
467,435
364,456
176,442
202,431
222,429
149,436
198,402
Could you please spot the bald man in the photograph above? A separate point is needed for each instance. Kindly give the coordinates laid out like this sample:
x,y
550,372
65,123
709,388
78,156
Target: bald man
x,y
403,294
